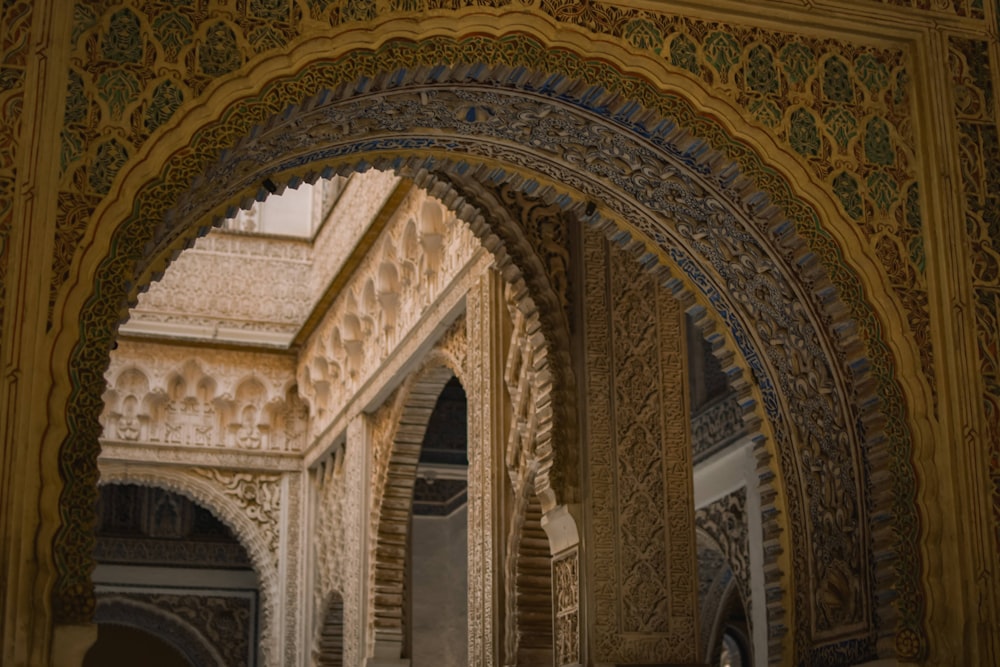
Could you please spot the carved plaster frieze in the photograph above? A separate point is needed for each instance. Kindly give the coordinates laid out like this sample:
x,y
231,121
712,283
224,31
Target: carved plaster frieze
x,y
205,399
422,250
258,495
229,287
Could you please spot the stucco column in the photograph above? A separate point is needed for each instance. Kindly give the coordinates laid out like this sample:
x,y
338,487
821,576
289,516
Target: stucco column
x,y
291,599
488,424
639,563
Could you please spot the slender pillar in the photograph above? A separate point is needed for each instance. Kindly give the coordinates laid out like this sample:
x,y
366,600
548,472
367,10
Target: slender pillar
x,y
291,601
486,320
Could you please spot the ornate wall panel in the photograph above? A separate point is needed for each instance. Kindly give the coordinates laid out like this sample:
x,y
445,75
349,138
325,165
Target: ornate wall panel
x,y
15,25
842,107
215,289
642,559
159,198
977,122
485,412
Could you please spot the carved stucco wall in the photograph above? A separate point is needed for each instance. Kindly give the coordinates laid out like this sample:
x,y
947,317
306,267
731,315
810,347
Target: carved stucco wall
x,y
279,31
976,119
421,252
15,23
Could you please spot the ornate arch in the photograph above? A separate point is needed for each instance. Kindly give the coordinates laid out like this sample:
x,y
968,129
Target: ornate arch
x,y
201,489
398,436
167,626
710,206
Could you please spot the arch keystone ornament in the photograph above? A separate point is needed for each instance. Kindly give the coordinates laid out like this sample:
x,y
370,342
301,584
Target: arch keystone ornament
x,y
518,102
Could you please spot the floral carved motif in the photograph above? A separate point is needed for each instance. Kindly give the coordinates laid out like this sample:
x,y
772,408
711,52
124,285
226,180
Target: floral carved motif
x,y
725,522
566,599
159,394
640,464
257,494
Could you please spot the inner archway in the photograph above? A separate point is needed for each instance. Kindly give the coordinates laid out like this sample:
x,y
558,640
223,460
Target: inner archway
x,y
437,578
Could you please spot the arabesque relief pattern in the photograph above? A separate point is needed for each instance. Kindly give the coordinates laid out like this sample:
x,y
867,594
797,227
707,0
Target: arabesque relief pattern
x,y
15,26
977,122
165,395
204,289
419,254
643,558
563,62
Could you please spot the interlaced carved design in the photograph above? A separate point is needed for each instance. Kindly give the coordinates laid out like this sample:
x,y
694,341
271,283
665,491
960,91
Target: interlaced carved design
x,y
642,523
164,395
